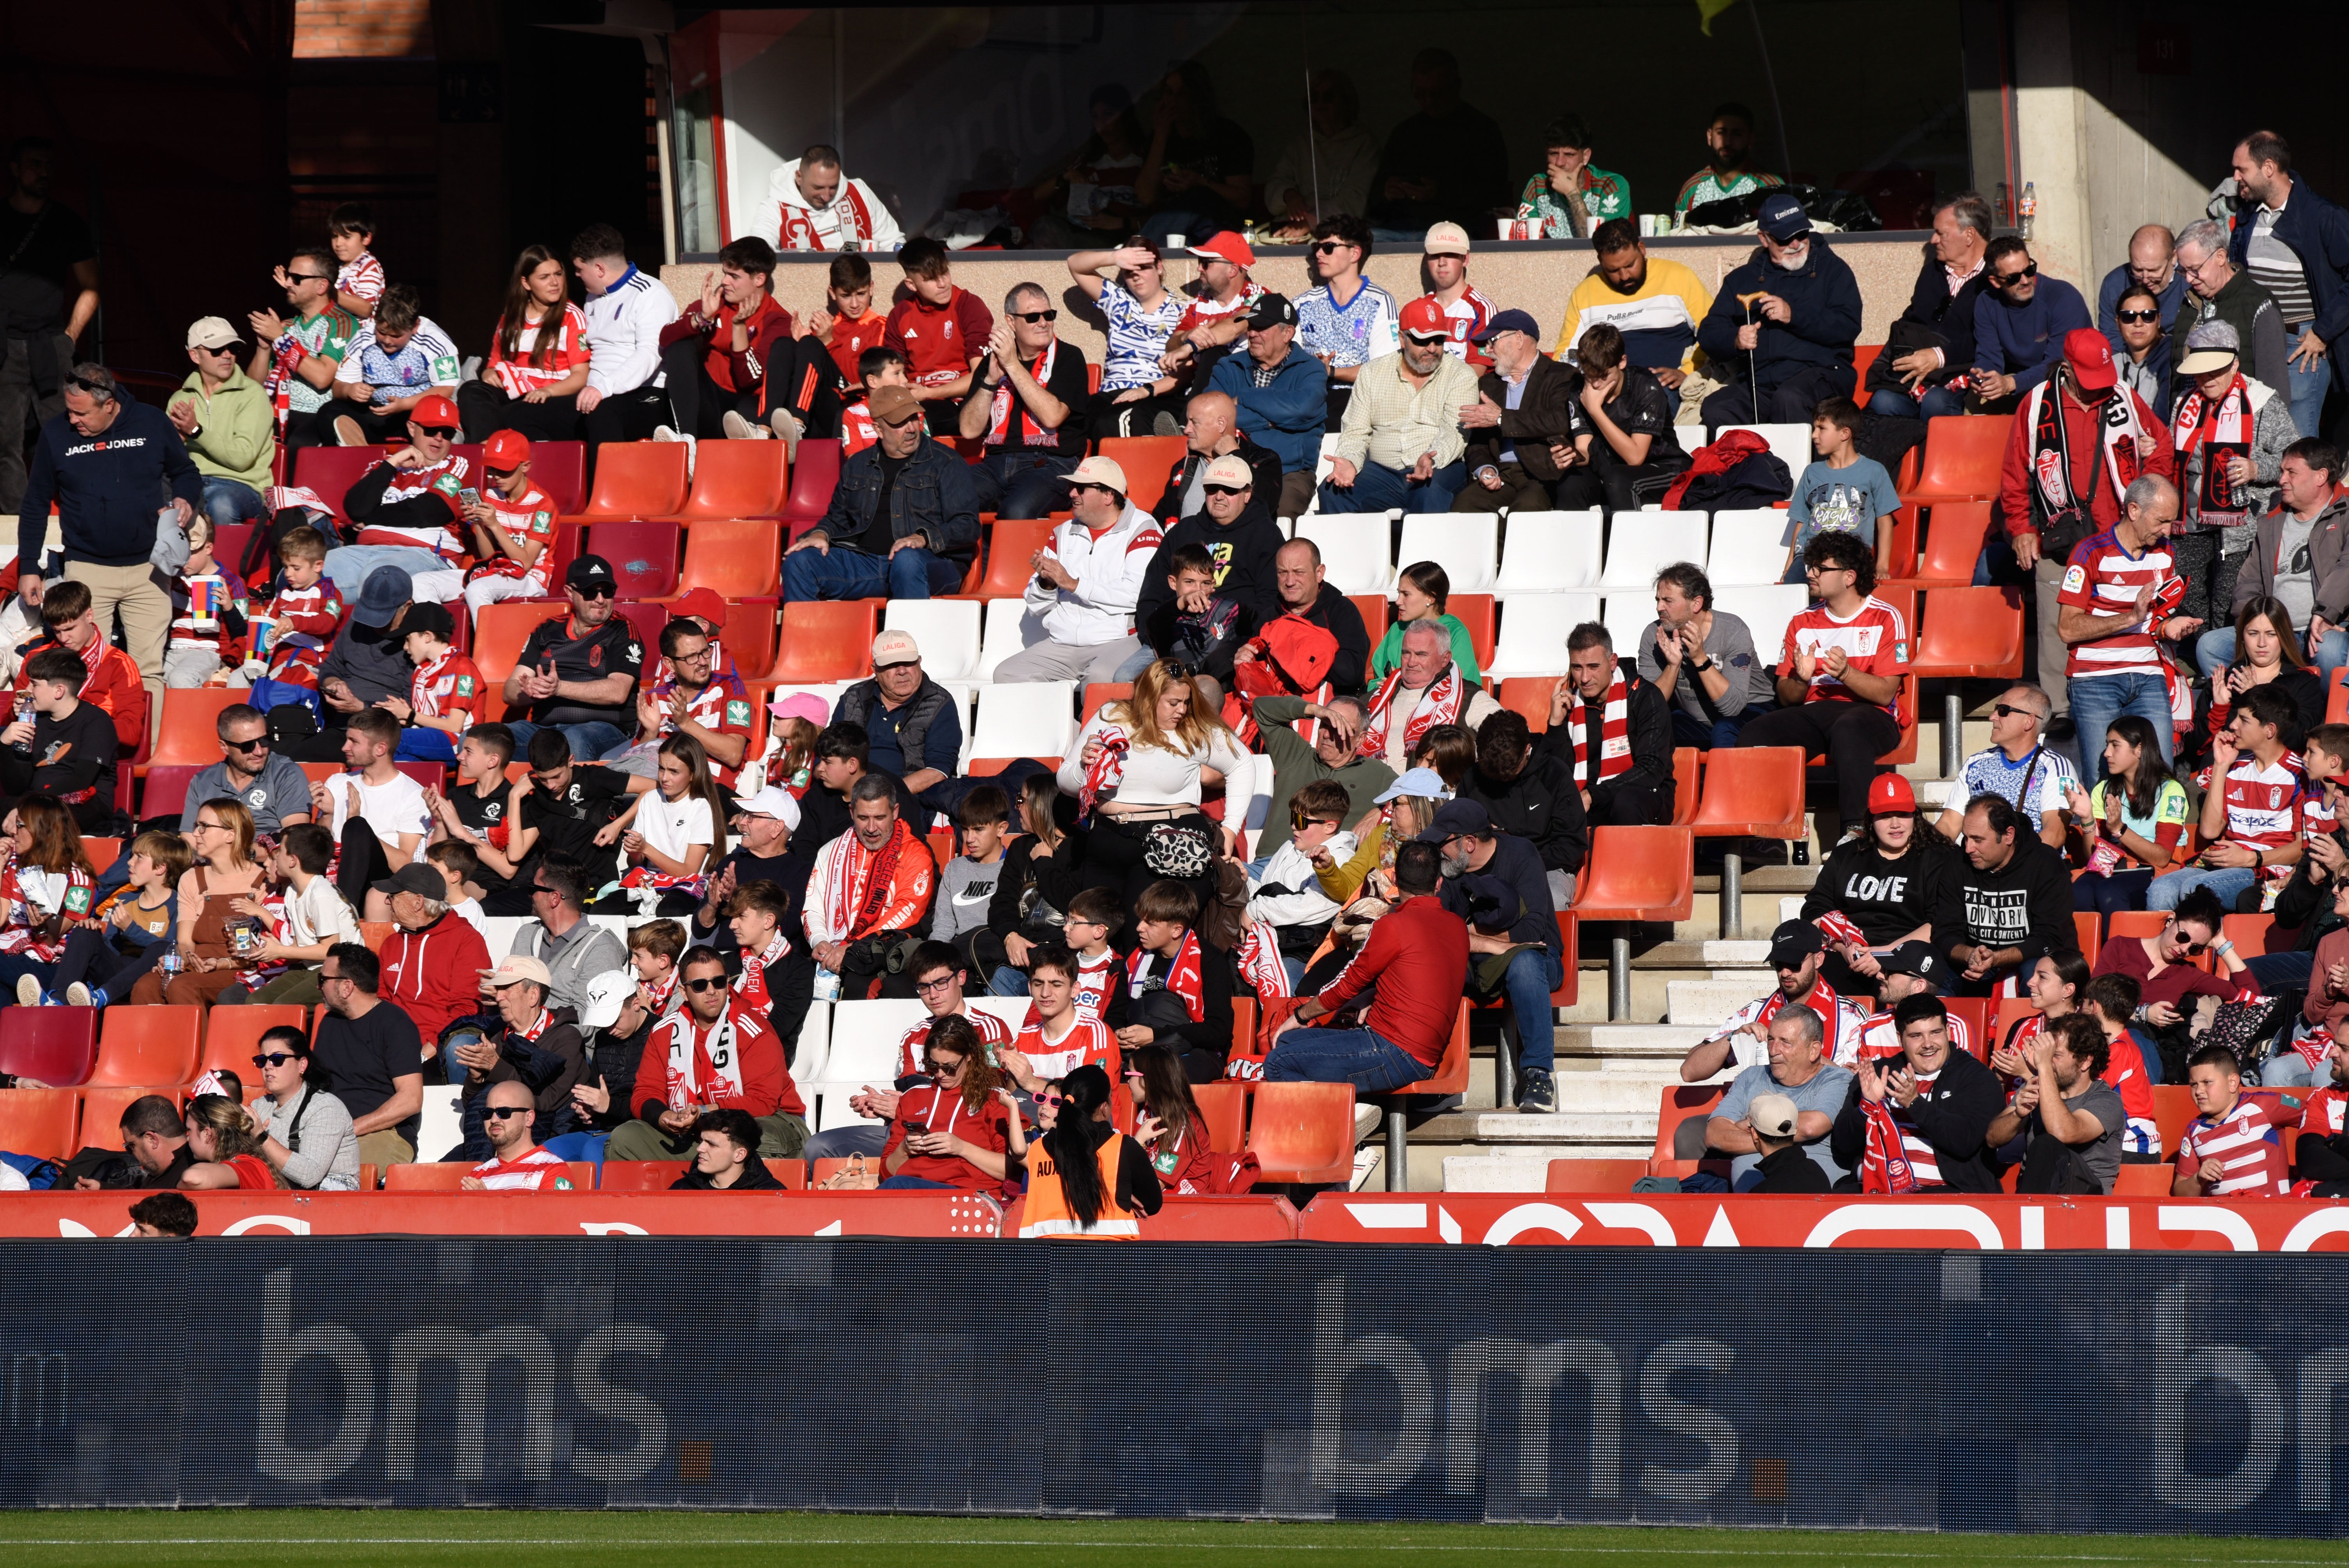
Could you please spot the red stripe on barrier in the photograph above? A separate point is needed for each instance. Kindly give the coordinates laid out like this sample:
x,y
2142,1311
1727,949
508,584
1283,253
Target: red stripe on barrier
x,y
961,1215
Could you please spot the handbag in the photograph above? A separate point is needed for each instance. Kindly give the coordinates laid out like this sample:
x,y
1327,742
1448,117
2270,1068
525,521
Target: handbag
x,y
1904,338
2246,1029
1180,853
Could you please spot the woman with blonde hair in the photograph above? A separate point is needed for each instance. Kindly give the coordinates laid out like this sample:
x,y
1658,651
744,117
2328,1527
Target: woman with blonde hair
x,y
204,956
227,1146
1140,773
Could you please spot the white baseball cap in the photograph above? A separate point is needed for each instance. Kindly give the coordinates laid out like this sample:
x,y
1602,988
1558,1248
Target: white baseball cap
x,y
774,800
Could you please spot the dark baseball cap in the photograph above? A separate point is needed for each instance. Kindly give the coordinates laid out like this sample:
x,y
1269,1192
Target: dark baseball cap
x,y
1456,817
381,596
417,877
591,572
1272,310
1507,321
432,618
1793,942
1782,217
1916,958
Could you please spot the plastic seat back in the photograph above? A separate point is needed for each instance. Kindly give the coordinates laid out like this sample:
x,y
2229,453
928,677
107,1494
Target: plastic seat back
x,y
948,631
189,735
501,630
1147,460
1009,628
1100,694
1973,633
1641,544
1954,533
1637,873
1749,547
1767,611
734,558
2255,935
232,1036
1594,1175
1224,1105
814,479
329,472
1533,629
1685,1103
2134,923
1354,551
102,1110
1012,546
40,1122
636,479
1687,775
642,552
1303,1132
1963,454
167,790
1530,695
1466,544
55,1045
102,853
826,640
737,479
1033,719
2144,1181
644,1175
150,1044
1753,792
1790,444
560,469
1474,611
1551,551
2173,1108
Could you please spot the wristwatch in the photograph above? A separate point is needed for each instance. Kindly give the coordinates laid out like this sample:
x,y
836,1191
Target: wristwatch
x,y
1700,669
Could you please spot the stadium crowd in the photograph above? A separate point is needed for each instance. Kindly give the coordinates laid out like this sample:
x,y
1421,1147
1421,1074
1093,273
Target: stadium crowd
x,y
2168,506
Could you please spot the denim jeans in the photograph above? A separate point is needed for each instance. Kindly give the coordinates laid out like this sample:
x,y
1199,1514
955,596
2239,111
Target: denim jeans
x,y
1007,982
2214,650
2280,972
229,501
349,564
1532,976
1721,734
1937,402
1022,483
1141,659
1376,489
842,572
588,741
2305,384
2097,700
422,743
1363,1057
2227,883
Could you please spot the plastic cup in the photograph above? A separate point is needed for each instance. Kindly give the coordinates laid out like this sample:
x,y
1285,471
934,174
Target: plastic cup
x,y
1178,242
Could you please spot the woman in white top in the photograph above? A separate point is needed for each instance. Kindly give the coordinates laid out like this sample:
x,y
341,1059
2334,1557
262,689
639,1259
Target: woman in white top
x,y
669,834
1140,769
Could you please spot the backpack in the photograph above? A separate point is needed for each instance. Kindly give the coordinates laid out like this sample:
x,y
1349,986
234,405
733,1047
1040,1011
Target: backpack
x,y
1293,657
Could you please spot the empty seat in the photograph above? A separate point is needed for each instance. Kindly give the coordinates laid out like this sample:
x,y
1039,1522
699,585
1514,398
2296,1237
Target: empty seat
x,y
1354,551
1790,444
1009,628
1751,792
167,790
1147,460
39,1121
1034,718
1465,544
737,479
103,853
946,630
1594,1175
826,640
1532,640
1550,553
55,1045
734,560
642,552
1474,612
863,1053
1012,546
636,479
1766,611
810,1051
1303,1132
232,1035
189,733
1963,454
1641,544
644,1175
814,476
1224,1105
560,469
1627,616
1749,546
150,1044
1954,533
1969,632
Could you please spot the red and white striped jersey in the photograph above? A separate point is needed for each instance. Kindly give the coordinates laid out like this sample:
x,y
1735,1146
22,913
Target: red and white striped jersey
x,y
448,686
2247,1142
1466,316
445,478
303,620
993,1033
1878,1040
527,518
720,706
536,1171
1086,1042
1843,1019
2327,1114
1096,978
1922,1160
521,374
857,430
2266,807
360,277
2105,578
1874,641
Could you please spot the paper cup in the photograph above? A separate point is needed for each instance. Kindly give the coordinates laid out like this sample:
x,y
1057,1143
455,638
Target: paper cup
x,y
1176,242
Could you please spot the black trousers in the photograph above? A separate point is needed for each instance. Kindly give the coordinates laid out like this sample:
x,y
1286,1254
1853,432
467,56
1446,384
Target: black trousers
x,y
1852,734
1628,806
486,409
1608,480
624,416
811,385
364,863
1137,417
1788,402
700,403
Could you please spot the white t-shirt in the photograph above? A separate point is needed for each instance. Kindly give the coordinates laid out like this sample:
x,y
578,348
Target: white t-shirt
x,y
470,911
391,809
318,913
670,826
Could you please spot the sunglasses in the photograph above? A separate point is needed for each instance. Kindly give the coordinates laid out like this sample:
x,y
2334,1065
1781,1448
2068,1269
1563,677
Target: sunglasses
x,y
258,743
1425,342
1226,490
601,591
1298,819
1033,316
2006,710
1050,1098
499,1112
712,982
274,1059
2008,280
306,278
498,474
2137,317
936,1068
439,432
1331,247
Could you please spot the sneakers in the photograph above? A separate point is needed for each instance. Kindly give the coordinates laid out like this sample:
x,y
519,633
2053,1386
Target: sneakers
x,y
348,431
737,428
1536,1090
692,447
81,996
28,991
787,425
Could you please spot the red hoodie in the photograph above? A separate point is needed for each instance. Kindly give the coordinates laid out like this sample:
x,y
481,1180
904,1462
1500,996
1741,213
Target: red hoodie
x,y
770,325
435,974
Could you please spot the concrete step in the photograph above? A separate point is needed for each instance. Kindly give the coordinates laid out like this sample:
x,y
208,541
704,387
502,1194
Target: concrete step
x,y
1623,1045
1577,1128
1518,1170
1698,953
1705,1003
1613,1091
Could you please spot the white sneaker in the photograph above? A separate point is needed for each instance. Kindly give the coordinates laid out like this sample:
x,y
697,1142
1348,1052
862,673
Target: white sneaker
x,y
348,431
737,428
28,991
788,427
664,433
77,995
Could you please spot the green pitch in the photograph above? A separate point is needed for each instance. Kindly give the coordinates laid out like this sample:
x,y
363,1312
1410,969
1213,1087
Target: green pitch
x,y
418,1540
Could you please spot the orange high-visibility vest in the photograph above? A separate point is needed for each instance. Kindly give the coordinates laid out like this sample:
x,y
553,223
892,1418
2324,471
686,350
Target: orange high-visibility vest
x,y
1047,1213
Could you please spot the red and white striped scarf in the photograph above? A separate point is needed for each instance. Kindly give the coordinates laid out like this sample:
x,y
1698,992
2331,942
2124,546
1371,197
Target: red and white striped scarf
x,y
998,421
1184,977
1439,703
1837,927
1259,959
1615,732
1884,1167
860,884
1102,778
2227,426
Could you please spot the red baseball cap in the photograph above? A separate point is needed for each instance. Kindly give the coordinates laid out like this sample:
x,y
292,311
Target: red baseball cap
x,y
2090,357
1226,247
702,601
1890,792
437,410
1423,318
505,450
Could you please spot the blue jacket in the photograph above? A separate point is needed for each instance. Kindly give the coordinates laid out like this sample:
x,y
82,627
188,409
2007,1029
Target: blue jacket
x,y
2317,231
1822,297
2118,282
2025,341
108,489
934,497
1285,417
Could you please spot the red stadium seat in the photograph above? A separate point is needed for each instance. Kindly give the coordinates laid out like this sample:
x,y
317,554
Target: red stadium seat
x,y
39,1121
2144,1181
52,1046
1685,1104
189,732
147,1044
1303,1132
644,1175
1474,611
1012,546
642,552
1594,1175
1099,693
232,1036
102,1110
734,560
1531,695
826,640
329,472
649,617
737,479
1751,792
2255,935
2090,925
2173,1108
636,479
102,853
1953,542
1638,874
1963,454
1450,1078
1224,1105
1147,460
1687,772
2134,923
500,631
560,469
1969,632
167,790
813,477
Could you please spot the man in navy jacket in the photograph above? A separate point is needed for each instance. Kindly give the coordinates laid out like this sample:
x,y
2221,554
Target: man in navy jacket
x,y
1785,322
108,463
1283,396
2317,232
2019,326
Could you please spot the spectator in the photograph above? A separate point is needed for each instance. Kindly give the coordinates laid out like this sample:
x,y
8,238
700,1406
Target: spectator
x,y
2234,1146
1787,1101
2298,555
1842,491
2141,359
358,279
949,1131
1919,1122
2018,766
828,363
1137,774
2013,901
1033,886
371,1056
573,948
816,206
1798,953
1233,523
1783,325
407,510
2137,815
1728,170
45,890
1178,987
2322,1160
1399,444
1841,672
2323,977
1345,321
65,748
1084,1177
2253,817
2299,254
1281,393
1422,593
793,721
2231,434
2220,291
127,932
1532,795
1444,164
1195,175
1496,885
517,1162
1626,449
777,977
578,673
313,916
725,1157
206,616
162,1215
2152,265
2070,1119
227,423
1169,1125
1331,754
2269,654
529,1048
224,871
296,359
692,699
1211,430
871,888
1653,303
2112,1000
2057,987
903,519
940,329
1571,196
1703,660
667,833
1028,407
1198,629
52,283
2305,904
1099,179
69,622
303,618
967,883
1613,731
1444,262
1785,1167
720,355
1931,344
432,961
397,360
1217,314
1881,889
913,724
104,492
155,1139
1288,894
2019,324
1413,964
1525,421
1305,592
2164,967
445,699
1059,1036
1086,582
1911,969
769,847
307,1137
567,805
1426,690
714,1053
627,309
537,364
1327,170
376,813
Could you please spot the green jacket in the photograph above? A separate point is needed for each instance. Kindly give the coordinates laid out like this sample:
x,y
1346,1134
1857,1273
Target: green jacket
x,y
236,429
1464,649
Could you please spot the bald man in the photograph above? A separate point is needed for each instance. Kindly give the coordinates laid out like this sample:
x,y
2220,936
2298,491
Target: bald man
x,y
2152,264
517,1162
1211,430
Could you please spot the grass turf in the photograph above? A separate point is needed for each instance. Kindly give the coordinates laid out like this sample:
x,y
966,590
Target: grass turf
x,y
520,1540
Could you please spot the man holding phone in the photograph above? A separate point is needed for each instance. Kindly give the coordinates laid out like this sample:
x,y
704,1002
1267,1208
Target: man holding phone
x,y
578,673
2020,323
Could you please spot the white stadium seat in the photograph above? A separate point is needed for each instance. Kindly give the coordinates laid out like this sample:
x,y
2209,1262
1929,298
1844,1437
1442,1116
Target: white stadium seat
x,y
1628,615
1765,612
1008,630
1031,719
1749,547
1465,544
1353,550
1532,639
1641,544
1551,552
1012,1010
1790,444
863,1050
946,631
814,1044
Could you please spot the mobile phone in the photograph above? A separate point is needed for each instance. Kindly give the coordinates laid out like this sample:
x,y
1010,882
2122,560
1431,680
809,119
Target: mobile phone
x,y
469,496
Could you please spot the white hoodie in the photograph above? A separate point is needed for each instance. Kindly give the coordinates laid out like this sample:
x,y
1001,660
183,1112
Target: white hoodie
x,y
789,223
1108,569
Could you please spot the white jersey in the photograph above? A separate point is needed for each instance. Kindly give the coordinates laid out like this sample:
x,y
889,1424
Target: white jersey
x,y
623,328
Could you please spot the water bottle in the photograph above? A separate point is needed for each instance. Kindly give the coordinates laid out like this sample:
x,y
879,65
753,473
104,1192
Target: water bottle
x,y
2030,208
167,966
23,715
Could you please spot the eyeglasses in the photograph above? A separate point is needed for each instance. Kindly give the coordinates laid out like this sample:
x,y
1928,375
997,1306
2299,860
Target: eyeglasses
x,y
258,743
274,1059
1033,316
601,591
935,987
499,1112
204,827
1810,571
709,983
2137,317
699,656
438,432
2006,710
2007,280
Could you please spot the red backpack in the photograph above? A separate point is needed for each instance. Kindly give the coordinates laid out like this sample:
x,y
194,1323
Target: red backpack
x,y
1293,658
